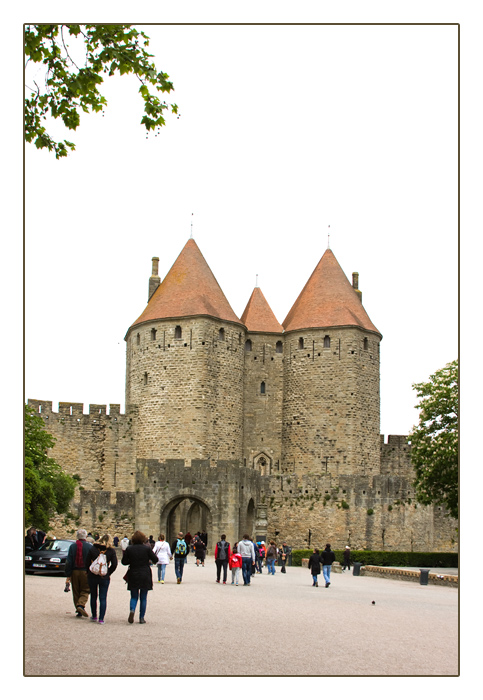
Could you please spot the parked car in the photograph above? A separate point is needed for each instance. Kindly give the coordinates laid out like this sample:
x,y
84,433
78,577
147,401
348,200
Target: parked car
x,y
50,557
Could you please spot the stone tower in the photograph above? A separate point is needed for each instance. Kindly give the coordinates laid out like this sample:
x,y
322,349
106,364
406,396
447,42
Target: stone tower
x,y
330,415
263,386
184,367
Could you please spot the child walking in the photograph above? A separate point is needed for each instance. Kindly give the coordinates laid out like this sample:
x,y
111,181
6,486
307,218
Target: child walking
x,y
235,564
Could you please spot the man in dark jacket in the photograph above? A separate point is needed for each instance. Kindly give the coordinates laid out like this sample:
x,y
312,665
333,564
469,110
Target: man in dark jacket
x,y
327,557
76,572
222,555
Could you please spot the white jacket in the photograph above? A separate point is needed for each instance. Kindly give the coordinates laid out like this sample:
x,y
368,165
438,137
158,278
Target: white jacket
x,y
163,551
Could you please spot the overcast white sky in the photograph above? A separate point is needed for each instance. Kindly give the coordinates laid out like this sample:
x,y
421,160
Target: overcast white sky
x,y
283,132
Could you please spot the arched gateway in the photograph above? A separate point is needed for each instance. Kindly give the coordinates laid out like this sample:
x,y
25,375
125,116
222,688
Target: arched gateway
x,y
172,497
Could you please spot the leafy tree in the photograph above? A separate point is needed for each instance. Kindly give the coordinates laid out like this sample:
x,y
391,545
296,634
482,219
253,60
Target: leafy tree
x,y
434,441
107,49
48,489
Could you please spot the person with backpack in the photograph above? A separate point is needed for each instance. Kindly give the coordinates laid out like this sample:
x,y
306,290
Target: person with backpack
x,y
180,551
101,562
222,557
245,548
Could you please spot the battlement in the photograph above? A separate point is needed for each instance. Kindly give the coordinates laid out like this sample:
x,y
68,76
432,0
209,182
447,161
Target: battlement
x,y
394,441
69,408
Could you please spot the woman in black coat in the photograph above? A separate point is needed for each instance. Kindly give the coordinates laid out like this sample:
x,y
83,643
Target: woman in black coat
x,y
314,566
99,583
138,556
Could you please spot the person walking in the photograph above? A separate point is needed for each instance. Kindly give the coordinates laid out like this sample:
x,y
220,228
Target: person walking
x,y
327,558
222,556
163,551
200,551
76,572
180,551
284,554
235,564
99,577
247,551
139,578
124,543
314,566
271,557
347,558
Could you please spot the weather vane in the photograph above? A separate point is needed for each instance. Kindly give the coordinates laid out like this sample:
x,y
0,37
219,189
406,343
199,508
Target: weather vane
x,y
191,225
328,239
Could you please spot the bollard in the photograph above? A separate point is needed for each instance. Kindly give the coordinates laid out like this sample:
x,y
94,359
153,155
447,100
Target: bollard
x,y
424,577
357,568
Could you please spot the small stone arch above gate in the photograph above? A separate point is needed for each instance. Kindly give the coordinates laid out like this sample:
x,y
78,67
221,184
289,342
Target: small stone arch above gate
x,y
263,463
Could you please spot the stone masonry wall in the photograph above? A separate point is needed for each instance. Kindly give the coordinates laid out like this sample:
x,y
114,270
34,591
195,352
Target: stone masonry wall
x,y
99,448
331,402
263,394
188,389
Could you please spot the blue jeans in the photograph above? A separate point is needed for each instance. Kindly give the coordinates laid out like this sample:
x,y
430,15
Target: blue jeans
x,y
271,566
98,584
246,569
179,566
161,571
326,571
142,594
314,576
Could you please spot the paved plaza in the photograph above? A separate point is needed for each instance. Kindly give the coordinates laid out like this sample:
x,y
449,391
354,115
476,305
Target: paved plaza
x,y
280,625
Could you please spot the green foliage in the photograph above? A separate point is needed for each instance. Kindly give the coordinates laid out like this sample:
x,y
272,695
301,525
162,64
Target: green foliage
x,y
370,511
48,489
434,441
108,49
424,559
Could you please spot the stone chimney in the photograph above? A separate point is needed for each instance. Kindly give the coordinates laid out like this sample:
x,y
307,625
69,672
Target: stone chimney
x,y
154,280
355,285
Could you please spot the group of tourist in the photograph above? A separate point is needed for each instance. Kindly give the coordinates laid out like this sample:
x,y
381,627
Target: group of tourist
x,y
89,566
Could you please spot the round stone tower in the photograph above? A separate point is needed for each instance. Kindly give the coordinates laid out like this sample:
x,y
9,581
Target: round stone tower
x,y
184,367
331,405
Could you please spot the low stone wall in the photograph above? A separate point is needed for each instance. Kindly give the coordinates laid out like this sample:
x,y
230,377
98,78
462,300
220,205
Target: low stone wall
x,y
409,575
398,574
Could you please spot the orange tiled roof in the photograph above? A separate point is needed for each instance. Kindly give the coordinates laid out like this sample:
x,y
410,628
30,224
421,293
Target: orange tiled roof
x,y
328,299
189,289
258,316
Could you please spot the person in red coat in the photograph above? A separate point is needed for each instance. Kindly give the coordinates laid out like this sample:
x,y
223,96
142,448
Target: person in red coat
x,y
235,564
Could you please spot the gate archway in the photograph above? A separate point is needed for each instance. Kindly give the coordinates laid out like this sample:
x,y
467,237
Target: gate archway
x,y
186,514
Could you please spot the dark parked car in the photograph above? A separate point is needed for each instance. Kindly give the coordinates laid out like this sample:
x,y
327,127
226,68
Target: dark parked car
x,y
50,557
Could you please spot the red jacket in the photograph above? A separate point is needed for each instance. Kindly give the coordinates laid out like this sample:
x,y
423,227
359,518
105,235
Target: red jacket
x,y
235,561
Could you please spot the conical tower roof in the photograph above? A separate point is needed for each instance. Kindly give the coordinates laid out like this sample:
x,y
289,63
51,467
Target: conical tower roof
x,y
258,316
189,289
327,300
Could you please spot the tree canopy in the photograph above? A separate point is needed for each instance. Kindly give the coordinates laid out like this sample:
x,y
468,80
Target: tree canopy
x,y
434,441
48,489
67,88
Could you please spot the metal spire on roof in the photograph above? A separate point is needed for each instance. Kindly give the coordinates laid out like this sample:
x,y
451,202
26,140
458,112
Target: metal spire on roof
x,y
191,236
328,240
256,281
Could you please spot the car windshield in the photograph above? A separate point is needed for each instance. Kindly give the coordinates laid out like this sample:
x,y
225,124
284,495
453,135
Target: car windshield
x,y
57,545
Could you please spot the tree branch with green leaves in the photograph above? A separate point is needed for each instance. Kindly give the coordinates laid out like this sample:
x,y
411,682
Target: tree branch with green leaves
x,y
47,487
434,441
67,89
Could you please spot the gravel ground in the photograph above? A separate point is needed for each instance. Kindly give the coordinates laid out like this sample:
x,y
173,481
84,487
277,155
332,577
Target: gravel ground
x,y
280,625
